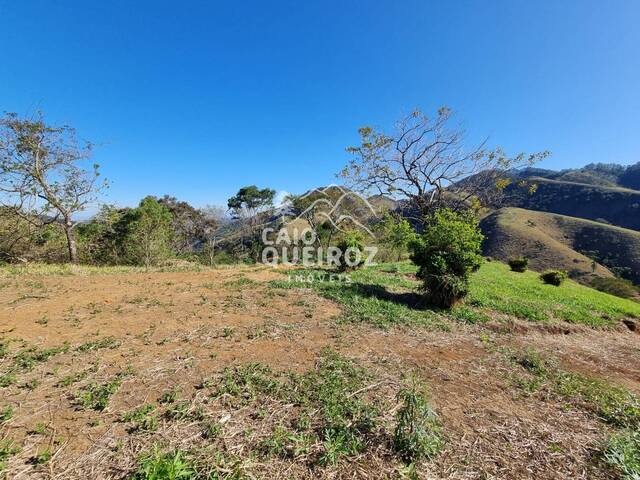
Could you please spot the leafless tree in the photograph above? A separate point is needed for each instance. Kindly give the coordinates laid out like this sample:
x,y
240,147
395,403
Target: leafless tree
x,y
426,162
41,179
214,217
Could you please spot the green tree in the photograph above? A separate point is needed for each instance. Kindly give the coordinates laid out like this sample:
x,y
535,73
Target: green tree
x,y
41,177
149,233
446,254
101,240
397,234
249,206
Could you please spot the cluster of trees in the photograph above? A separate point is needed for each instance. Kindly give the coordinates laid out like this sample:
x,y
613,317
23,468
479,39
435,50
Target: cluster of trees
x,y
423,163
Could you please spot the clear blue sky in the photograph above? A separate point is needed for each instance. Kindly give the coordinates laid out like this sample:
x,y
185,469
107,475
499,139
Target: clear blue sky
x,y
197,98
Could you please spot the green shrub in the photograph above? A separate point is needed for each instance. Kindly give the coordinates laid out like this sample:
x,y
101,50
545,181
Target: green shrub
x,y
417,434
623,453
446,254
351,251
554,277
519,264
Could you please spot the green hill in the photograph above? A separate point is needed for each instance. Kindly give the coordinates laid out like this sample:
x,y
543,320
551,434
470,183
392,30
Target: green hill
x,y
559,241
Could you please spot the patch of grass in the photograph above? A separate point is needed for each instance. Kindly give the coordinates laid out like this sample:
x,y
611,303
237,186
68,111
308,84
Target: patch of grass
x,y
614,405
623,454
107,342
96,396
159,465
143,419
27,358
368,296
6,414
240,282
248,382
7,449
523,295
287,444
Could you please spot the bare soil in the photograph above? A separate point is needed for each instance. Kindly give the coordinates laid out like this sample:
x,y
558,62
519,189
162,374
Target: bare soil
x,y
174,330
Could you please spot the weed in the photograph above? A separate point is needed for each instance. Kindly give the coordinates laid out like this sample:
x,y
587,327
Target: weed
x,y
7,449
623,453
6,414
158,465
107,342
286,444
97,396
142,419
42,457
170,396
418,433
211,430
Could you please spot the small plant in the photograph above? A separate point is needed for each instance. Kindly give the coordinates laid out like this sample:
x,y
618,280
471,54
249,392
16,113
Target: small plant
x,y
519,264
158,465
623,453
170,396
5,414
7,449
418,433
42,457
96,396
554,277
142,418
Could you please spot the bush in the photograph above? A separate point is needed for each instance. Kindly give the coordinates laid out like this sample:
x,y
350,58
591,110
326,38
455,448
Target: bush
x,y
351,251
446,254
554,277
519,264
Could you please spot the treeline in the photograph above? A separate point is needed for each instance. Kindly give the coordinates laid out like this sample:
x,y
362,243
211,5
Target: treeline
x,y
156,230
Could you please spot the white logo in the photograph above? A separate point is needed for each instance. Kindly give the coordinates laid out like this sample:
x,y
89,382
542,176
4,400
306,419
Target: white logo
x,y
309,223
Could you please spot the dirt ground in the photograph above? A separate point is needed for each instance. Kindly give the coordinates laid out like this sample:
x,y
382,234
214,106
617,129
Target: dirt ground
x,y
174,330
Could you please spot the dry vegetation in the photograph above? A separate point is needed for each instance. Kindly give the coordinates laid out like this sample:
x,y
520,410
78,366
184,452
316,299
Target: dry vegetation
x,y
245,372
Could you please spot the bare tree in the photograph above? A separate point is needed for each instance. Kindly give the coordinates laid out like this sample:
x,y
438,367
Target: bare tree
x,y
214,217
41,179
426,162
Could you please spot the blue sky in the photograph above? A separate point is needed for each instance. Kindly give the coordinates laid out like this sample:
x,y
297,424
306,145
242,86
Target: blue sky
x,y
198,98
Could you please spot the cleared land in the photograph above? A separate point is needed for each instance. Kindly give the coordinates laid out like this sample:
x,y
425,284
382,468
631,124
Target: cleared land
x,y
251,372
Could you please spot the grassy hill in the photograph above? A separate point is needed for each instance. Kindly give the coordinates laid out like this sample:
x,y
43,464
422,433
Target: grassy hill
x,y
559,241
615,205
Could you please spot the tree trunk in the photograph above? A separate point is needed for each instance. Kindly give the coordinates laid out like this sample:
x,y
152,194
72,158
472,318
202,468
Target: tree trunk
x,y
71,241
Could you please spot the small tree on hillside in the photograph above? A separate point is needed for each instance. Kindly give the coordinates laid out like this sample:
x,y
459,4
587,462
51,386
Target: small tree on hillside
x,y
446,254
425,162
41,178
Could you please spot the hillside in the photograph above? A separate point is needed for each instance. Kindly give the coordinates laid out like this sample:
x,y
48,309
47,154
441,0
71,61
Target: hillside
x,y
615,205
559,241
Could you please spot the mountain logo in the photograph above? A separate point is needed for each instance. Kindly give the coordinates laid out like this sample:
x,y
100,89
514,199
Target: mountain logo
x,y
323,205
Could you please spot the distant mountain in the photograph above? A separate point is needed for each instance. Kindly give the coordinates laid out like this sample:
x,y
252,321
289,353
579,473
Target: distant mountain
x,y
562,242
598,174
